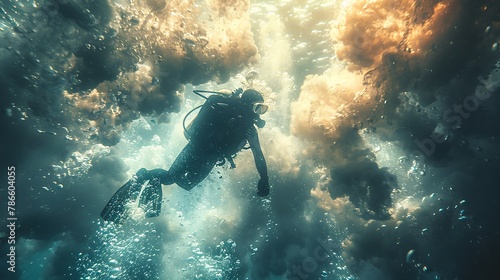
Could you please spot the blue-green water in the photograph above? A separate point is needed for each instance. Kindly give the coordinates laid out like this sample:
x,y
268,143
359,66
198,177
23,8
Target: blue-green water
x,y
381,138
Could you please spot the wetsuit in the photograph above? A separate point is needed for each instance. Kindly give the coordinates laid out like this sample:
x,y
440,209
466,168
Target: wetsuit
x,y
221,129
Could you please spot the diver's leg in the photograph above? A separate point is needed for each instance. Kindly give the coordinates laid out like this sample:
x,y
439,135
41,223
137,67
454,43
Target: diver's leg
x,y
151,196
192,165
195,174
115,210
161,174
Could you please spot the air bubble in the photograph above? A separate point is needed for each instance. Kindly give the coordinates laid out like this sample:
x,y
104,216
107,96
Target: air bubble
x,y
402,160
494,47
251,75
410,255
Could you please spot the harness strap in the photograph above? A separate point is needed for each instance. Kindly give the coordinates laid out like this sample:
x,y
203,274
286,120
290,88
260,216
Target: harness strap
x,y
231,161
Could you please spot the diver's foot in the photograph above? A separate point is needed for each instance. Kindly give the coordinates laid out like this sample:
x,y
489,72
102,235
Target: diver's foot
x,y
150,200
142,174
116,210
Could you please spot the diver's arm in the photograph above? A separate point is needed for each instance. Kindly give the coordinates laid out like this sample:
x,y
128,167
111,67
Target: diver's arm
x,y
260,162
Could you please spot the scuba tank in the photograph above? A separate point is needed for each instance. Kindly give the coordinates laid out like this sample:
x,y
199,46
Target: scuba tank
x,y
224,93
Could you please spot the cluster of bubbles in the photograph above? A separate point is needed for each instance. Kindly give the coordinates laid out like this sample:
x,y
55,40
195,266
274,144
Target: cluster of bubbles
x,y
115,251
220,263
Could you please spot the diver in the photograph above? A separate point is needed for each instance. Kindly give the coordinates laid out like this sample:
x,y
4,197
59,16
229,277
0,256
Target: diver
x,y
223,127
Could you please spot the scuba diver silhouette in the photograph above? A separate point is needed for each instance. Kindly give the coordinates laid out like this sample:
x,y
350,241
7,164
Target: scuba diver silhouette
x,y
223,127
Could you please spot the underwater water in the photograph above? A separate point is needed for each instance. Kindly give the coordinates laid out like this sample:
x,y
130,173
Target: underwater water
x,y
381,139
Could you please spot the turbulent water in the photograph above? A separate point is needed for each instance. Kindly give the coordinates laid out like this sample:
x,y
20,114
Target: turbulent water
x,y
381,139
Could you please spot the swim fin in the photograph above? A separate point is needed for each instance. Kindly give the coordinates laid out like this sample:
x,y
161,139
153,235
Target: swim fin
x,y
150,200
115,210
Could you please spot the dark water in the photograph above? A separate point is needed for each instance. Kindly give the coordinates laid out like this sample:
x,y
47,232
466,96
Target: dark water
x,y
381,138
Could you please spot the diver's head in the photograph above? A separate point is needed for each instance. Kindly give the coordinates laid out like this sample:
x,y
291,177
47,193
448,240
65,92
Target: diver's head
x,y
254,100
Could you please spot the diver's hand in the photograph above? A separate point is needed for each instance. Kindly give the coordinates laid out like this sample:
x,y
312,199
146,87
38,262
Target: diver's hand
x,y
263,187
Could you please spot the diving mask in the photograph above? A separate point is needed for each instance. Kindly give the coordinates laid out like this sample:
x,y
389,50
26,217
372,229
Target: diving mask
x,y
259,108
